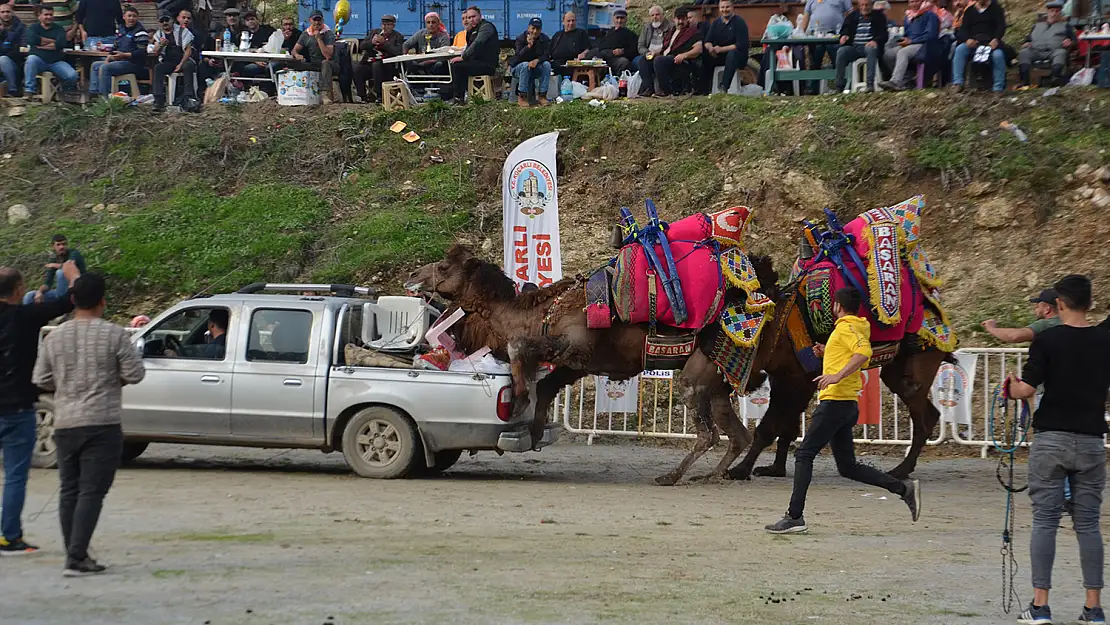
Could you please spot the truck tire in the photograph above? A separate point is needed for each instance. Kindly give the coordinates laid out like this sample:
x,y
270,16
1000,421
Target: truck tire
x,y
44,455
443,460
381,442
132,451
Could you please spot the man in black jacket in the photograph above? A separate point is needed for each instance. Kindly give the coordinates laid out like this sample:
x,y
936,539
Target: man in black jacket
x,y
530,65
863,35
726,43
984,24
13,35
570,44
98,20
618,46
380,43
19,338
480,56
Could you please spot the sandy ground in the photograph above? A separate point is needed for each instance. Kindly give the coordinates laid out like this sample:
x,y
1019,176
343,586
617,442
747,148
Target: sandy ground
x,y
573,534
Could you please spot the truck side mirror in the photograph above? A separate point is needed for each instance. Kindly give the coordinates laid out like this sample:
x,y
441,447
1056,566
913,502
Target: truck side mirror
x,y
140,346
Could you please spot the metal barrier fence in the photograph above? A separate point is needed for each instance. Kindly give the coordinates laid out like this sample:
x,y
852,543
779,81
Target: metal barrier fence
x,y
660,412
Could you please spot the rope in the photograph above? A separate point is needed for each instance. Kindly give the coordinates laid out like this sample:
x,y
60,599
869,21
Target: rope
x,y
1013,434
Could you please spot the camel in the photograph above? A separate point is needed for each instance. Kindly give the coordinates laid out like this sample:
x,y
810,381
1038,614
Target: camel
x,y
549,325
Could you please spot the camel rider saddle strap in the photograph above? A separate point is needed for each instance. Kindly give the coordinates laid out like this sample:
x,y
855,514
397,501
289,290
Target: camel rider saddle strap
x,y
599,312
664,351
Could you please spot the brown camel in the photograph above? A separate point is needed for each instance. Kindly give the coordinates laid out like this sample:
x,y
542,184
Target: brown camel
x,y
908,376
549,325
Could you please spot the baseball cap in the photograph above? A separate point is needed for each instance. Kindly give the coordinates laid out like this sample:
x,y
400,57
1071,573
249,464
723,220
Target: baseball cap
x,y
1048,296
537,22
165,17
620,13
317,13
1054,4
250,13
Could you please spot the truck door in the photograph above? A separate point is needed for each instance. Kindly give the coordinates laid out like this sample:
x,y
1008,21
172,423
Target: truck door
x,y
187,389
275,379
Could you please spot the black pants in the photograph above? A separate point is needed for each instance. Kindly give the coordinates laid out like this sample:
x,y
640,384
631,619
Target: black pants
x,y
463,70
832,425
162,73
377,73
732,61
87,461
675,77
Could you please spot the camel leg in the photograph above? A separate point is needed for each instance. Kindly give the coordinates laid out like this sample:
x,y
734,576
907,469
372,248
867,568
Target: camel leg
x,y
789,398
546,390
707,435
729,422
525,355
910,379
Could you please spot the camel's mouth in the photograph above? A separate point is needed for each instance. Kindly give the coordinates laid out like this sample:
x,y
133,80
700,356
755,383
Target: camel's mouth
x,y
414,287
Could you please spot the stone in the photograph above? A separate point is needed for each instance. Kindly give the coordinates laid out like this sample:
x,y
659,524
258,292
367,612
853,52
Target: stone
x,y
1102,174
977,189
994,213
1101,198
1083,171
99,208
113,208
487,245
18,213
728,187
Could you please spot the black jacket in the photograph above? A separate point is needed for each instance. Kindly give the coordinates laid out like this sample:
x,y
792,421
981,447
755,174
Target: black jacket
x,y
879,33
735,32
100,17
567,46
525,54
618,38
482,44
19,345
984,26
392,46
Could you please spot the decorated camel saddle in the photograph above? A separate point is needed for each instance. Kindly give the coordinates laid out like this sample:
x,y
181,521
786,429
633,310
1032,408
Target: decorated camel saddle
x,y
674,277
880,254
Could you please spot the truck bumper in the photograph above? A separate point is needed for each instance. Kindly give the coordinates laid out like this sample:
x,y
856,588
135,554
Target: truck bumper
x,y
521,440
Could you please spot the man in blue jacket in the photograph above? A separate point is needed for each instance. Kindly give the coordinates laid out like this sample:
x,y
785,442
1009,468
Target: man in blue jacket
x,y
922,28
128,56
13,34
726,43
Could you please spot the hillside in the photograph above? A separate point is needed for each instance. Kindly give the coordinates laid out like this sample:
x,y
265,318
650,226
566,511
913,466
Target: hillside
x,y
176,204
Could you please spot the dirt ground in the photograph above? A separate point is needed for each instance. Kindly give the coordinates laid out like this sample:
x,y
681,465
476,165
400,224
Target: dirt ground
x,y
573,534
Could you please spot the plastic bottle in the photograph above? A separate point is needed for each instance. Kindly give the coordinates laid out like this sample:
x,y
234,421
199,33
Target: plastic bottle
x,y
244,41
622,88
565,90
227,40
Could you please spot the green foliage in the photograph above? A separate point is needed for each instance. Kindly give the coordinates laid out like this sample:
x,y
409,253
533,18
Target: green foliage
x,y
942,153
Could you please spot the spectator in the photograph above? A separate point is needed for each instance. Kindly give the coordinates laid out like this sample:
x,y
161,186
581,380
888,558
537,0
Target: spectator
x,y
98,21
946,18
530,64
86,362
431,37
232,23
128,57
47,42
959,7
697,20
649,45
460,37
380,43
19,339
984,24
678,63
570,44
480,58
1072,361
823,17
257,32
1050,40
922,27
725,44
174,45
285,39
863,35
314,52
618,46
13,36
54,284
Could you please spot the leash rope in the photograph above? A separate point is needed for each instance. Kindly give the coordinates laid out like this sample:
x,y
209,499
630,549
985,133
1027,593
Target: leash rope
x,y
1013,435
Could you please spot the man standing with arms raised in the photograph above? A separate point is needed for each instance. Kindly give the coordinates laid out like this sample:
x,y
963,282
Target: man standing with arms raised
x,y
19,338
1072,361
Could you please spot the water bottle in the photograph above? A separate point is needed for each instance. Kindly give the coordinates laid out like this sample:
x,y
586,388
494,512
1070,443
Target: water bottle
x,y
565,90
227,40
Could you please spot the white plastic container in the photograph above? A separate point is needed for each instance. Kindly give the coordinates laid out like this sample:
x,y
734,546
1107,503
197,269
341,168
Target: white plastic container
x,y
298,88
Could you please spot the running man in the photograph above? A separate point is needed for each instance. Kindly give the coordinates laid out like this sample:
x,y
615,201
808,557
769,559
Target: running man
x,y
847,353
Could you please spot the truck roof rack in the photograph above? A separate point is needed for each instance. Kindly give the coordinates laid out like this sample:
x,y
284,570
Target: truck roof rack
x,y
340,290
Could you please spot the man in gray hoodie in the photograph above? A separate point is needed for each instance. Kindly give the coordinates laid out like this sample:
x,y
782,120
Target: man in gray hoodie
x,y
1050,40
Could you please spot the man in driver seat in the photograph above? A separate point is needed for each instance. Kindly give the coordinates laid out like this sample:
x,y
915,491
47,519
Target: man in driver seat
x,y
217,340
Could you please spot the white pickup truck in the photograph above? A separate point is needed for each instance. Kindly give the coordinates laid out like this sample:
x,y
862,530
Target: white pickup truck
x,y
282,381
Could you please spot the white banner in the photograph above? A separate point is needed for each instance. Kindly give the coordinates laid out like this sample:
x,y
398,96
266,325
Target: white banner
x,y
952,388
530,195
613,396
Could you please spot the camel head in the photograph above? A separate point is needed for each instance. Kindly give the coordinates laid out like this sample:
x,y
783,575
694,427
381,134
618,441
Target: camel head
x,y
461,273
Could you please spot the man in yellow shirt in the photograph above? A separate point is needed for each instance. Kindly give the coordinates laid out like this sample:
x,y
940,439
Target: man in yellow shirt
x,y
847,352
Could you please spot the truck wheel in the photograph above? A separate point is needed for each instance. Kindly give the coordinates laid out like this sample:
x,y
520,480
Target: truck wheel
x,y
44,456
443,460
132,451
381,442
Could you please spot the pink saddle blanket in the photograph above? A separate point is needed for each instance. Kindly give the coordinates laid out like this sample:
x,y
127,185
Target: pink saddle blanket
x,y
698,269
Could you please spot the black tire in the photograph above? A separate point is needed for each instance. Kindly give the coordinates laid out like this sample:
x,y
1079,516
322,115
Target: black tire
x,y
132,451
443,460
44,455
382,443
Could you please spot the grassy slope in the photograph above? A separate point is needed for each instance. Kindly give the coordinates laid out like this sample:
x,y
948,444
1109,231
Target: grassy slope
x,y
231,196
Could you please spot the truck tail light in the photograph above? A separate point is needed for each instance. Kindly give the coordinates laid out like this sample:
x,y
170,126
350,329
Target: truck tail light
x,y
505,403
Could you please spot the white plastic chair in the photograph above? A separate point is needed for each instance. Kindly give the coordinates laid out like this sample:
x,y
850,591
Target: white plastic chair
x,y
395,323
733,89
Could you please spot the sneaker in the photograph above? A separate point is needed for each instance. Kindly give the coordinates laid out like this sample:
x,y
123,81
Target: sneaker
x,y
17,547
787,525
887,85
913,498
1092,615
542,101
956,89
1036,615
84,568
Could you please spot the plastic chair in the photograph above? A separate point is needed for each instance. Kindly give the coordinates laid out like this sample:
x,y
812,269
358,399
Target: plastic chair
x,y
480,86
734,88
130,79
47,91
395,323
859,76
171,88
396,95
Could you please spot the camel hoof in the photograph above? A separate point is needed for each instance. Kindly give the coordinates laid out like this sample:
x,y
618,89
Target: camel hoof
x,y
769,471
740,473
666,480
520,405
709,478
